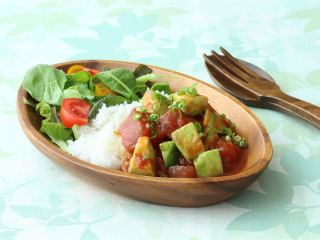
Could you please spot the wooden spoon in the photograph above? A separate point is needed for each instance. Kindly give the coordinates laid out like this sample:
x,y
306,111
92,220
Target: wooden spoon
x,y
246,98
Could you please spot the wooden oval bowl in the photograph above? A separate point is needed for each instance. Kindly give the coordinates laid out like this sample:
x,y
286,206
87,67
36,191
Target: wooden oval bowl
x,y
189,192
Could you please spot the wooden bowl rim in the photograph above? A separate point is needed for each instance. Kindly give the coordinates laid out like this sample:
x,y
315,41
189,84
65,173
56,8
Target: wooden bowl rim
x,y
31,132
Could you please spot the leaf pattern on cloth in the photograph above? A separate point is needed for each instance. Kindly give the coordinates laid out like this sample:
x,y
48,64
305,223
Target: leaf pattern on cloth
x,y
274,206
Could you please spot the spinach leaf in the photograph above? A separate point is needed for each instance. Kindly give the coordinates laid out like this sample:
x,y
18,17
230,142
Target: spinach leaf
x,y
45,83
104,68
95,99
141,89
28,102
141,70
120,80
109,100
72,92
93,82
151,77
82,88
162,86
81,77
57,133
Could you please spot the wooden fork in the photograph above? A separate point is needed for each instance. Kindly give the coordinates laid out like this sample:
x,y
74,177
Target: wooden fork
x,y
260,88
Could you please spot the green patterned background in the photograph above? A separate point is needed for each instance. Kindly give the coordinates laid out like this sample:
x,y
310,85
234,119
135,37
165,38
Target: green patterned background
x,y
39,200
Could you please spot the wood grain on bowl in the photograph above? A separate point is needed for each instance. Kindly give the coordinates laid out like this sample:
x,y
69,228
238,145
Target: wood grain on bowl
x,y
165,191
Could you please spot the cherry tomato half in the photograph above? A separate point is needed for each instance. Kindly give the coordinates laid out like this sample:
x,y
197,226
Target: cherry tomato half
x,y
102,89
75,69
74,111
91,71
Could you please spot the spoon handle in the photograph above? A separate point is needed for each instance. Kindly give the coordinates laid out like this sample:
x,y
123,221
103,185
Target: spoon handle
x,y
307,111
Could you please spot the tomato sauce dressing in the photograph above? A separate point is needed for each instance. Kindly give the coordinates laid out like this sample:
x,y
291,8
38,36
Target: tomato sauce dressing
x,y
233,158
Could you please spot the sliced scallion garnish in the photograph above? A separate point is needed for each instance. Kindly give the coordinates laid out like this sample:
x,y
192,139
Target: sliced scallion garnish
x,y
137,116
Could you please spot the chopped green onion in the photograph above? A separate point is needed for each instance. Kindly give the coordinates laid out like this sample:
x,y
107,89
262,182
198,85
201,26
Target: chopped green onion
x,y
154,118
157,106
223,116
173,108
181,104
228,139
143,119
170,100
227,131
243,143
210,124
137,116
191,91
237,139
198,126
141,109
163,175
161,113
153,133
201,134
145,157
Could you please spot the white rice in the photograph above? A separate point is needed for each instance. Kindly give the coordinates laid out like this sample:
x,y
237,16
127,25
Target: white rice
x,y
99,142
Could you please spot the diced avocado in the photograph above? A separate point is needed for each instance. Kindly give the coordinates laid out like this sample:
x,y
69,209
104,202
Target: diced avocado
x,y
143,161
194,105
217,124
211,137
209,164
170,153
188,141
151,99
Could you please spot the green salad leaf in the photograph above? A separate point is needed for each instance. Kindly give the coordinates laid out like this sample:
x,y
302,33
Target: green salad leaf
x,y
45,83
28,102
81,77
152,77
45,110
141,70
162,86
104,68
72,92
82,89
109,100
120,80
58,134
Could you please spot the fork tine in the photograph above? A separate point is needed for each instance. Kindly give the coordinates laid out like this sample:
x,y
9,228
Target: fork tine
x,y
238,64
230,77
217,56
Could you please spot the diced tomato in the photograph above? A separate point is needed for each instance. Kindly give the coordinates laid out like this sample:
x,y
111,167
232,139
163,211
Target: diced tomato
x,y
230,154
169,122
185,162
182,172
74,111
91,71
131,130
161,168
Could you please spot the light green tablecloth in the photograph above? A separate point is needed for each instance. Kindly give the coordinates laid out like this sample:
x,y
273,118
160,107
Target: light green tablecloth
x,y
39,200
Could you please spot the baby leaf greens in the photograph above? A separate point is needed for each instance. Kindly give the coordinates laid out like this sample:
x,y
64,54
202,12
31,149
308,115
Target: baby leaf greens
x,y
45,83
141,70
50,86
162,86
58,134
120,80
108,101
